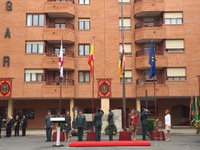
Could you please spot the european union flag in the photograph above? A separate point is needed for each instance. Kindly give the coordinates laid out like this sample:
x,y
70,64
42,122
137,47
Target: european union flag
x,y
152,61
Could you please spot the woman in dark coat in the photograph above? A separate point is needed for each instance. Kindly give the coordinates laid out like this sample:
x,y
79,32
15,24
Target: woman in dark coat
x,y
67,126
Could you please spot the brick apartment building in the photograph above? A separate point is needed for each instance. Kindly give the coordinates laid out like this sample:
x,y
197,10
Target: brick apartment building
x,y
30,37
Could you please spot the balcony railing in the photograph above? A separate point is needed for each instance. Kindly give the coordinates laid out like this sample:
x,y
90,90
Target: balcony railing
x,y
64,82
142,81
145,52
148,24
62,25
72,1
51,53
136,1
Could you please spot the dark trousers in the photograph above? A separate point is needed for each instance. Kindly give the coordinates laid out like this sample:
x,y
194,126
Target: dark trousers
x,y
144,131
23,131
98,132
0,132
8,131
80,133
110,132
48,133
16,131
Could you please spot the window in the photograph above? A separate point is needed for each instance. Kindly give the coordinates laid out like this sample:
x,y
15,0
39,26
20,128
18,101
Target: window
x,y
35,20
33,75
83,49
174,45
84,24
60,23
126,23
84,1
84,76
127,48
147,79
173,18
124,1
128,76
174,74
35,47
57,50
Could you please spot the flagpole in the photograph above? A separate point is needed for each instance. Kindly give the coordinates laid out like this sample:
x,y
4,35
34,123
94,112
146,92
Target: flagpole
x,y
93,90
123,78
60,103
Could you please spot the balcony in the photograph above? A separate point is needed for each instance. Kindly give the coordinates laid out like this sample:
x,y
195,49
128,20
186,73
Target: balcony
x,y
59,8
142,59
149,8
55,34
46,90
144,31
52,62
147,87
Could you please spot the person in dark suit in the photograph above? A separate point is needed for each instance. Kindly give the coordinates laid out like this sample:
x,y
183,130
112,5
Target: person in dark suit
x,y
48,126
98,123
143,119
9,124
24,125
110,124
1,123
80,124
16,125
67,126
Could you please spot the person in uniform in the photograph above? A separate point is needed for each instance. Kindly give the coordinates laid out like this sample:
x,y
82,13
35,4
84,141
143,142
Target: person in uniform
x,y
48,126
1,123
16,125
9,124
67,125
24,125
143,119
98,123
80,124
110,124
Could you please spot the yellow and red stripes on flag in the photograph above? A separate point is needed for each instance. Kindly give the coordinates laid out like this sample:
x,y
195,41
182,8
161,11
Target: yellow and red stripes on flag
x,y
91,60
121,60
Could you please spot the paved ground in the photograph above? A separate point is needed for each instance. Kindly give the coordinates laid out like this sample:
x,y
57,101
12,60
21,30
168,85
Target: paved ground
x,y
180,141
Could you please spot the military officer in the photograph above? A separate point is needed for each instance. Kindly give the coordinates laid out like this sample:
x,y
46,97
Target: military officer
x,y
9,124
24,125
48,126
1,122
98,123
16,125
143,119
80,124
110,124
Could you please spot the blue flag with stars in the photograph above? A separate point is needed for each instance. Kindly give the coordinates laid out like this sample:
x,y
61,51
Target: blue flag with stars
x,y
152,61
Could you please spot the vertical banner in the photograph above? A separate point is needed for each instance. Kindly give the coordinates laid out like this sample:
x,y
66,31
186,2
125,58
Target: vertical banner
x,y
5,87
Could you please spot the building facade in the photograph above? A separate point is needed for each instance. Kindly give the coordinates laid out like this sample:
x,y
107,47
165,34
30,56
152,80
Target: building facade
x,y
30,37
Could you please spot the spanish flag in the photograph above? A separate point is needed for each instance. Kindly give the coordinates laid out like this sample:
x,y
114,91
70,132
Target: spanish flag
x,y
121,60
91,60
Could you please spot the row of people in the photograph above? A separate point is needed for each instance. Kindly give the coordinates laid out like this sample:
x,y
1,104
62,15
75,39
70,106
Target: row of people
x,y
16,123
81,124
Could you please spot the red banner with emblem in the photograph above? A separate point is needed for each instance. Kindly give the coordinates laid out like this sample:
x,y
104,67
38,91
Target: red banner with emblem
x,y
5,87
104,88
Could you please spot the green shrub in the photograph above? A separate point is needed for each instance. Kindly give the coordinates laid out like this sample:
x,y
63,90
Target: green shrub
x,y
107,130
150,124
